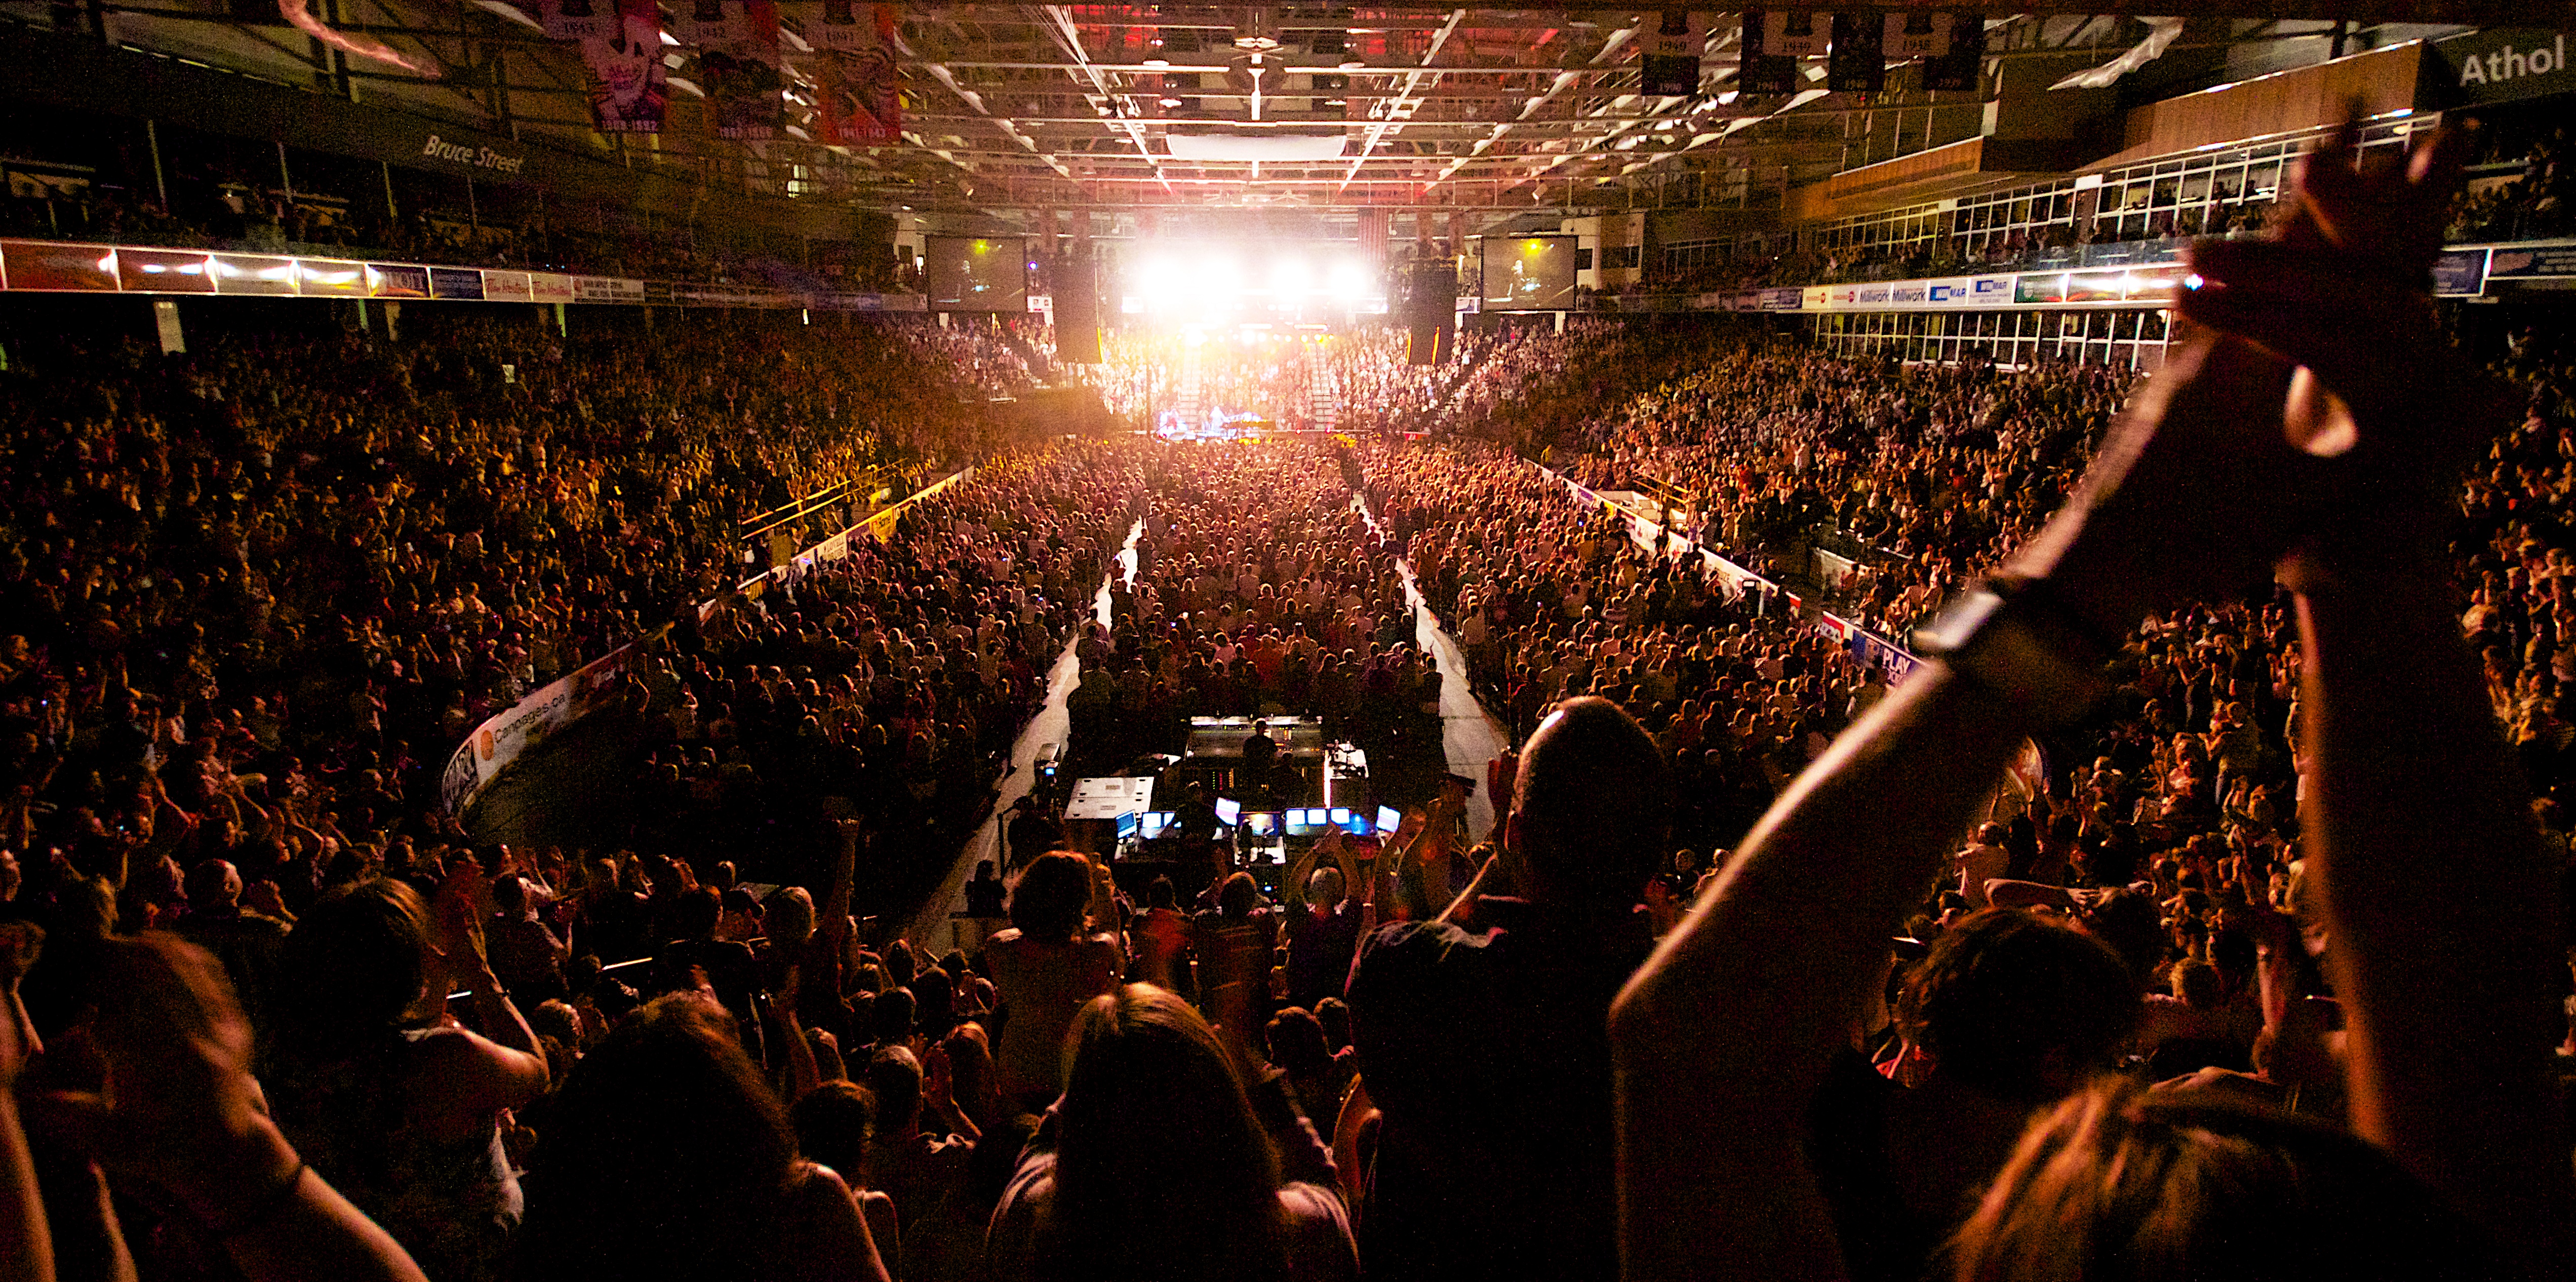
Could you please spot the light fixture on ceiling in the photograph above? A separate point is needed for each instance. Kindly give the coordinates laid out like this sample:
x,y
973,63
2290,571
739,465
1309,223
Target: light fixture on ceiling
x,y
1158,62
1171,102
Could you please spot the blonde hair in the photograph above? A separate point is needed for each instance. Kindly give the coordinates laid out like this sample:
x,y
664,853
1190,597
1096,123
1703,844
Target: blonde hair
x,y
2119,1183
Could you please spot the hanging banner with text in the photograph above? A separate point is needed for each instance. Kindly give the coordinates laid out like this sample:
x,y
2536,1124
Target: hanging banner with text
x,y
630,88
746,83
862,94
1671,65
1857,63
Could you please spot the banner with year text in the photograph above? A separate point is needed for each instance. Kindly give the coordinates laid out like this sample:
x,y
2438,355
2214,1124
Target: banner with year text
x,y
862,94
629,85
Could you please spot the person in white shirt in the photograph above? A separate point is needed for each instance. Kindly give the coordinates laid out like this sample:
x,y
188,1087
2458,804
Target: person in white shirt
x,y
1984,860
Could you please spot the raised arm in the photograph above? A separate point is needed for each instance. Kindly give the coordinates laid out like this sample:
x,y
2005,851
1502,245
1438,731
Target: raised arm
x,y
832,916
26,1239
498,1063
2440,904
1719,1040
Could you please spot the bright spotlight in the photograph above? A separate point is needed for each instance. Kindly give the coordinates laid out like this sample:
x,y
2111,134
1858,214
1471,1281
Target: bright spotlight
x,y
1221,277
1159,281
1350,284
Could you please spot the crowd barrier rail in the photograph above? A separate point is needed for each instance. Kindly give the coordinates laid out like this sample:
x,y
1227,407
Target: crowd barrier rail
x,y
506,737
1645,524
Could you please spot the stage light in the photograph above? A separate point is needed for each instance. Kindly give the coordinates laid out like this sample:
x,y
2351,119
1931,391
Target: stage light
x,y
1221,278
1350,284
1158,283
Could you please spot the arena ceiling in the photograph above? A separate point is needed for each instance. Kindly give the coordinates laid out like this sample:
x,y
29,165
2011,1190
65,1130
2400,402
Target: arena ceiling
x,y
1016,109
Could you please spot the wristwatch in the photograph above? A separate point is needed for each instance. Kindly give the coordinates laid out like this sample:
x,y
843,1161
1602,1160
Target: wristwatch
x,y
2013,636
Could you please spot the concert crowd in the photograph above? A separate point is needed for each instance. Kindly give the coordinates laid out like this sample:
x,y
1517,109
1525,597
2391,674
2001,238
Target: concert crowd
x,y
2186,914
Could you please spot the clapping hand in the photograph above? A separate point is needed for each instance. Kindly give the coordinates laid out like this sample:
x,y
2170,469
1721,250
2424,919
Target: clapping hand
x,y
2317,399
457,914
2359,249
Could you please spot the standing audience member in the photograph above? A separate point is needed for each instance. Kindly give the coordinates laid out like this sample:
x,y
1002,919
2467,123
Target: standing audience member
x,y
2437,916
1486,1049
1158,1164
1045,967
670,1157
388,1095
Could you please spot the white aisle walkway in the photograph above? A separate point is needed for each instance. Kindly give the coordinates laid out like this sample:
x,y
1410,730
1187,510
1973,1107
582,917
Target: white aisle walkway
x,y
931,926
1470,737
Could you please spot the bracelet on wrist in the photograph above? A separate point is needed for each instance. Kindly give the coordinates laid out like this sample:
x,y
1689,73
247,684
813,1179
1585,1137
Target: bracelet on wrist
x,y
2016,639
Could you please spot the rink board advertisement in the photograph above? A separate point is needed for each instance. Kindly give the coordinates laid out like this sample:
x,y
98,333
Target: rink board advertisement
x,y
502,739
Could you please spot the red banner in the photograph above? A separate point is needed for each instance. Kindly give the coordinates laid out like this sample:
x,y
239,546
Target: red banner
x,y
629,83
862,96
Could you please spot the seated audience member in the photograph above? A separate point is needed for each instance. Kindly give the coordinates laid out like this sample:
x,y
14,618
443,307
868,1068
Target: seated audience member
x,y
1045,967
388,1097
2437,912
668,1156
1156,1163
1486,1050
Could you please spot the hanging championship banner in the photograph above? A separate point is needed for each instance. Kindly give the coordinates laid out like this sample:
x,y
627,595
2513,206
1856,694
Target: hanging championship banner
x,y
629,83
708,24
1858,63
745,80
862,96
1961,57
1766,66
574,19
1671,65
1796,35
1917,33
836,26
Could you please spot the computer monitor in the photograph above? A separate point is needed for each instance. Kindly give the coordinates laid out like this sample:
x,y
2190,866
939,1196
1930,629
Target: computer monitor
x,y
1305,822
1127,825
1341,817
1389,819
1229,811
1157,822
1262,823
